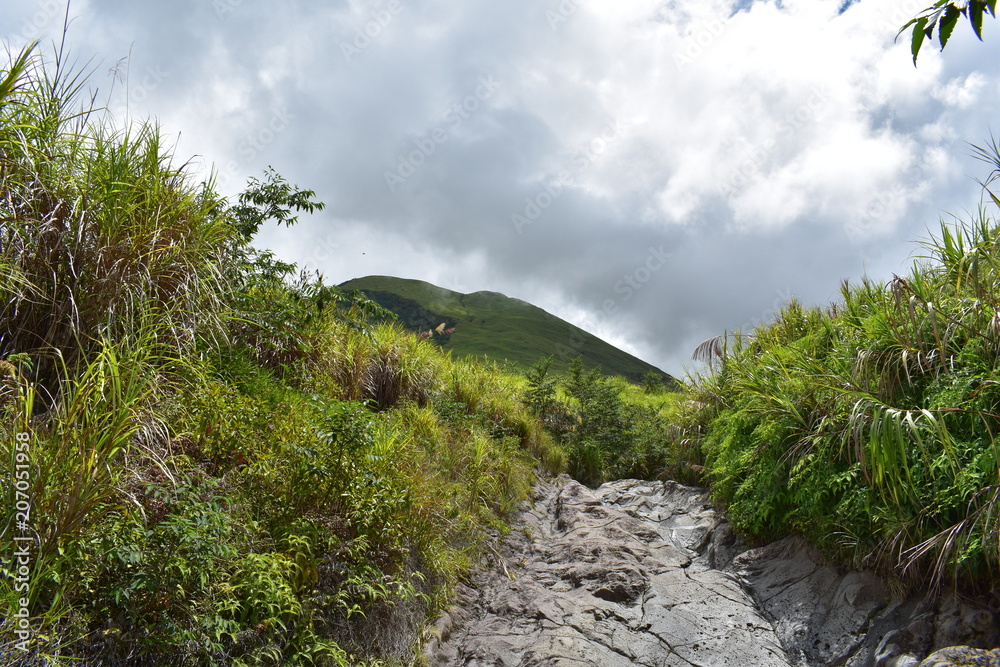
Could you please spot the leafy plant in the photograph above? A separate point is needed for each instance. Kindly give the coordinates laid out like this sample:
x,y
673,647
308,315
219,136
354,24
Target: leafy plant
x,y
943,15
272,198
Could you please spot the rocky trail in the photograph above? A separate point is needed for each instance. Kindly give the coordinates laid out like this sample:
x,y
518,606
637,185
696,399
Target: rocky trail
x,y
650,573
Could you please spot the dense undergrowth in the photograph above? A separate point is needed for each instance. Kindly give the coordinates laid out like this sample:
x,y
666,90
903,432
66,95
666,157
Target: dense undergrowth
x,y
217,461
613,429
869,427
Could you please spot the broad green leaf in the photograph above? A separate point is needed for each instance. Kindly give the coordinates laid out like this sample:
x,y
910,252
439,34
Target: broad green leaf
x,y
975,10
948,23
918,38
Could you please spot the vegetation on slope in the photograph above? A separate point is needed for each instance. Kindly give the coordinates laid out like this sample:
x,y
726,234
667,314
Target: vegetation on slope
x,y
611,428
204,460
870,426
498,327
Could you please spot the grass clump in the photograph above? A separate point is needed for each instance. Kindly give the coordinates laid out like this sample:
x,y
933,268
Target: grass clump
x,y
101,235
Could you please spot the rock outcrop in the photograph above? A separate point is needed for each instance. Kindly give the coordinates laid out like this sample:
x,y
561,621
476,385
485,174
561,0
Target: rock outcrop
x,y
650,573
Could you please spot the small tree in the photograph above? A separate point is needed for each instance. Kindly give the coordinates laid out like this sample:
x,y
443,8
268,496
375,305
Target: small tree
x,y
274,302
271,199
652,382
606,429
541,388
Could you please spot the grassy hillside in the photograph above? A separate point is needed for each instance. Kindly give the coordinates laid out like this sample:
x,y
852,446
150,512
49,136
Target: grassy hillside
x,y
498,327
202,460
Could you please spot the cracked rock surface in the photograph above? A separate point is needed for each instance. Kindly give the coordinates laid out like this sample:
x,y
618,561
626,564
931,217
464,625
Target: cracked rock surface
x,y
650,574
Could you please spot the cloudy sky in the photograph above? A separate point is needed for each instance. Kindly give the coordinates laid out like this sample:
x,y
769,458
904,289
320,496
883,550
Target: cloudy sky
x,y
655,172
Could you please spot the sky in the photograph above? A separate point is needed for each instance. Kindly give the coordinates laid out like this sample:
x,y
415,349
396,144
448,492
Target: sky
x,y
655,172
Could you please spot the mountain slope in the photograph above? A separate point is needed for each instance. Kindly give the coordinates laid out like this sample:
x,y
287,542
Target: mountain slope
x,y
497,326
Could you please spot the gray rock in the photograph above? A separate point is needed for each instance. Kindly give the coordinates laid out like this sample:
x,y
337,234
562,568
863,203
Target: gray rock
x,y
650,573
961,622
821,615
595,582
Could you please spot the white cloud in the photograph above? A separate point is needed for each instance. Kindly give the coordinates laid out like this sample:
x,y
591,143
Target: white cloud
x,y
963,92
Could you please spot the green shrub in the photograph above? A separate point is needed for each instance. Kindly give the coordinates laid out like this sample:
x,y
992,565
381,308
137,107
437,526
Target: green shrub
x,y
102,234
868,427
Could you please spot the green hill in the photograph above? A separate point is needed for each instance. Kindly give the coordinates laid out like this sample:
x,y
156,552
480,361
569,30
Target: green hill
x,y
496,326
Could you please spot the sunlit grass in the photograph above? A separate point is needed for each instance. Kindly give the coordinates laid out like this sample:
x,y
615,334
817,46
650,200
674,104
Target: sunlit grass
x,y
101,231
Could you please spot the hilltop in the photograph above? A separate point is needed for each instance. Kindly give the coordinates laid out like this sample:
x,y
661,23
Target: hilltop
x,y
498,327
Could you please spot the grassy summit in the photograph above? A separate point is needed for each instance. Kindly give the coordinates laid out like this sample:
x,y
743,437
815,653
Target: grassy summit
x,y
498,327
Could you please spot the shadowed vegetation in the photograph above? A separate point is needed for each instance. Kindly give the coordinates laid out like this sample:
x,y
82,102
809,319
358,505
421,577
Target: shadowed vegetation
x,y
610,428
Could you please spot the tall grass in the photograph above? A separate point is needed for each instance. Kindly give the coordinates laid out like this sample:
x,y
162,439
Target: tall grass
x,y
99,229
100,432
870,426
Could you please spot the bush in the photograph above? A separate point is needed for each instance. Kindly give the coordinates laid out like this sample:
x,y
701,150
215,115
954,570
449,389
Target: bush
x,y
610,429
101,235
868,427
